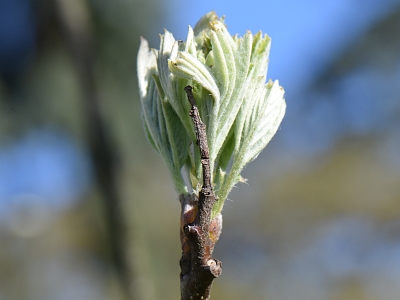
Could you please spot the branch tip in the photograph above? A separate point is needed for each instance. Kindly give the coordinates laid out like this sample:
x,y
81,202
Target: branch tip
x,y
198,268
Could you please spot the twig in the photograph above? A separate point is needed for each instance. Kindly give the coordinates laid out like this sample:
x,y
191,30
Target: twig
x,y
198,268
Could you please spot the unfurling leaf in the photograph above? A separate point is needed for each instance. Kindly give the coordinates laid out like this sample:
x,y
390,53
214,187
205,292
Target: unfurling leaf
x,y
241,112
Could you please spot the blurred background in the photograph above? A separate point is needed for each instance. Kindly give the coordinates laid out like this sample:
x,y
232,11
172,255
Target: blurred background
x,y
87,210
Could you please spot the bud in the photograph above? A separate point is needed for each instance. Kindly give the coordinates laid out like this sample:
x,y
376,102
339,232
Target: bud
x,y
228,75
215,228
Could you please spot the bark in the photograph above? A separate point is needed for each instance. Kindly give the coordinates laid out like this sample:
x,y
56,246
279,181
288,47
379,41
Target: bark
x,y
198,232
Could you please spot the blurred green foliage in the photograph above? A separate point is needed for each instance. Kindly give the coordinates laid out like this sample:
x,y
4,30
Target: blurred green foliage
x,y
276,230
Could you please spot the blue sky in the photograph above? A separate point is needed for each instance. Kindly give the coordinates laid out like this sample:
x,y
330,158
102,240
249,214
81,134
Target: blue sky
x,y
306,35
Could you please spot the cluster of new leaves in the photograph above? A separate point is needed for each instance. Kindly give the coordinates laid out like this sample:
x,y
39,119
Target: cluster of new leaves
x,y
228,76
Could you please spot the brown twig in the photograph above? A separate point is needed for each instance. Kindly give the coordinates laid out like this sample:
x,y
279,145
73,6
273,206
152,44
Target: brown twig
x,y
198,268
